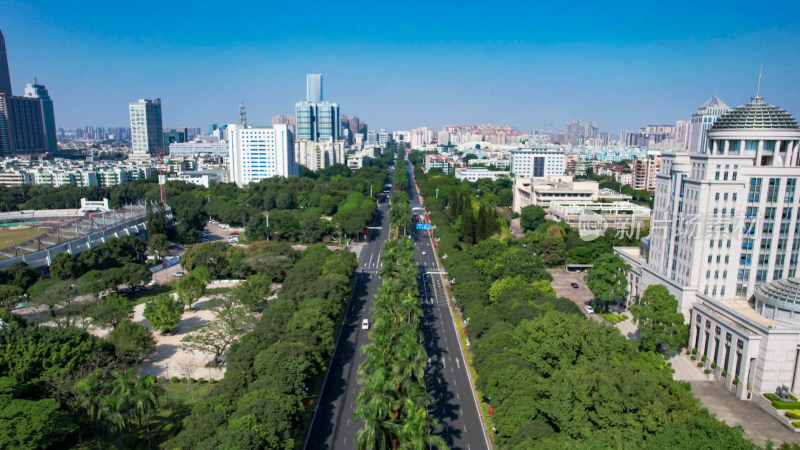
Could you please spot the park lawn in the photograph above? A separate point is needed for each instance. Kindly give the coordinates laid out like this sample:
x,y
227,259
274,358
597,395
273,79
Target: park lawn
x,y
10,237
150,293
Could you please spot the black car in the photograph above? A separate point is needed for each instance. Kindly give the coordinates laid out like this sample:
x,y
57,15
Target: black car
x,y
574,285
126,291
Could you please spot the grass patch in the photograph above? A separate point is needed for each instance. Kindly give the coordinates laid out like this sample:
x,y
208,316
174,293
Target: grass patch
x,y
779,404
796,424
150,293
18,236
218,291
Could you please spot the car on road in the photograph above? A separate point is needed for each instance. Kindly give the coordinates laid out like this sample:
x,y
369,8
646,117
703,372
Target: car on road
x,y
365,324
574,285
178,274
589,309
424,252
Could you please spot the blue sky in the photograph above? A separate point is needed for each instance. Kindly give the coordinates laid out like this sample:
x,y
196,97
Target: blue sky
x,y
404,64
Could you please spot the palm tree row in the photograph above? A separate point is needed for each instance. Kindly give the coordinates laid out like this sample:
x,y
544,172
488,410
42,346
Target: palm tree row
x,y
118,402
400,213
393,401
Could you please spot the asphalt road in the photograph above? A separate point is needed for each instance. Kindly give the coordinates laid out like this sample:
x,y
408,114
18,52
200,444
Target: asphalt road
x,y
332,426
454,404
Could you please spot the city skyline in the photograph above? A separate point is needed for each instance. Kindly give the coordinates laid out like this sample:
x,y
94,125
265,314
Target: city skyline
x,y
446,67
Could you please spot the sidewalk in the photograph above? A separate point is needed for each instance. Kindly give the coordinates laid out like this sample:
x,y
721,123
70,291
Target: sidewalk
x,y
758,425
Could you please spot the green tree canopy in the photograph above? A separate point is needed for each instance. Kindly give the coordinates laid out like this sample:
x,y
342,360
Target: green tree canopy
x,y
661,325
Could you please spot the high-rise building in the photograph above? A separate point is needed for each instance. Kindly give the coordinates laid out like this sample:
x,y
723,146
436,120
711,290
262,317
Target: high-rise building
x,y
280,119
538,162
5,74
38,91
173,136
725,241
354,126
314,87
707,114
257,153
645,169
317,120
728,216
146,130
27,124
319,155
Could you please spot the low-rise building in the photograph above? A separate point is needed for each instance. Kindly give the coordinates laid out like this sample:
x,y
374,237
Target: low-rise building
x,y
615,215
479,173
541,193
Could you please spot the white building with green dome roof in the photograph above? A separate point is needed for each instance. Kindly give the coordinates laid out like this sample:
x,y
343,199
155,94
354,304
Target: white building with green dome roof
x,y
726,222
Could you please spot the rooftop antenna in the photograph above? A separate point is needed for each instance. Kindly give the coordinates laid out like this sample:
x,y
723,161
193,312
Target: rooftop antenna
x,y
242,115
758,89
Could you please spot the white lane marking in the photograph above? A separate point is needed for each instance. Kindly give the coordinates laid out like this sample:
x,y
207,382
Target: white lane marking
x,y
457,364
345,440
458,397
465,428
444,363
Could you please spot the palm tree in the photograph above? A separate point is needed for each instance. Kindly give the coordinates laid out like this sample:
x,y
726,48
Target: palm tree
x,y
90,397
114,410
379,431
145,399
124,386
415,431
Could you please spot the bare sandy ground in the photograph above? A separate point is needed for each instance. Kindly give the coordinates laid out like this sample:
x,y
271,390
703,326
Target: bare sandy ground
x,y
169,360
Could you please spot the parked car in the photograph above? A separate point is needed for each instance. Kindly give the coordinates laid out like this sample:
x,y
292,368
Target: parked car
x,y
152,283
140,288
178,274
365,324
574,285
589,309
126,291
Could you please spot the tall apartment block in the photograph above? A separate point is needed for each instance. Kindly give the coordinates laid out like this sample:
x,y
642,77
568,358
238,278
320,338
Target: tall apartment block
x,y
257,153
317,120
48,121
27,124
147,133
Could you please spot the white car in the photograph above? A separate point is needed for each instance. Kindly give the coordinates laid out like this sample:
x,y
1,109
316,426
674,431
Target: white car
x,y
424,252
365,324
178,274
589,309
152,283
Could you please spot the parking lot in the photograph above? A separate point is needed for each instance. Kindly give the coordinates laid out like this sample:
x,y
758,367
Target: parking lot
x,y
562,283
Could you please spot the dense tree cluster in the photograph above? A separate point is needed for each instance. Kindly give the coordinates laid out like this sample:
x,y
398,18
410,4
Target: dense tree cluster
x,y
392,402
38,368
262,400
555,379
